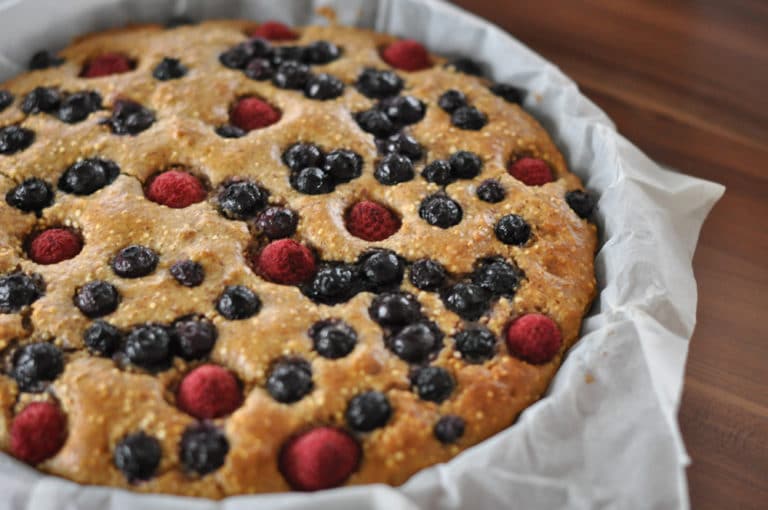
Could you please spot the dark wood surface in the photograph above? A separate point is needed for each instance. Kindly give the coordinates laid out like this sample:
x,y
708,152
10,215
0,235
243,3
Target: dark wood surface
x,y
687,81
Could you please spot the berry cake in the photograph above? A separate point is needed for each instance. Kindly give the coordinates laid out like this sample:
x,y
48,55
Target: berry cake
x,y
240,258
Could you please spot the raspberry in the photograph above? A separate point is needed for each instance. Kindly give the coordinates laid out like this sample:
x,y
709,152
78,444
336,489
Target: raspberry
x,y
274,31
54,245
209,391
531,171
106,64
534,338
320,458
38,432
251,113
286,261
371,221
408,55
176,189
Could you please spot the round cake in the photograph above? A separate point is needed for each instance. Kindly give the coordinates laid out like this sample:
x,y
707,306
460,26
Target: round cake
x,y
242,257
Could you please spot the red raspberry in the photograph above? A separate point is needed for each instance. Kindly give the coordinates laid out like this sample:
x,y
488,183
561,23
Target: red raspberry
x,y
408,55
54,245
252,113
371,221
320,458
38,432
275,31
534,338
209,391
176,189
106,64
287,262
531,171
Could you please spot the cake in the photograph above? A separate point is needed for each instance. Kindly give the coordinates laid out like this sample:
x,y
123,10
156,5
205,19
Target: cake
x,y
242,258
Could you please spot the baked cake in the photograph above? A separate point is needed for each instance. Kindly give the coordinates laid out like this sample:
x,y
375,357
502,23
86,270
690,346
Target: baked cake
x,y
240,258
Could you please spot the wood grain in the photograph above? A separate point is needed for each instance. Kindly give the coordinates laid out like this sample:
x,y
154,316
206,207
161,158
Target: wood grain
x,y
687,81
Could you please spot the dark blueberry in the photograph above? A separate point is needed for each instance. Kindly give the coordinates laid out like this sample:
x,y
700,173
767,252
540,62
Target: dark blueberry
x,y
324,87
333,339
35,364
239,56
6,98
368,411
129,118
203,449
401,143
581,202
277,222
102,338
321,52
238,302
137,456
466,66
439,172
178,21
333,284
31,195
291,75
188,273
241,200
88,175
405,110
302,155
497,277
452,100
259,69
415,342
382,269
230,131
395,310
394,169
440,211
148,346
469,117
512,229
465,164
508,92
44,59
379,84
491,191
135,261
169,69
449,429
433,383
312,181
18,290
97,298
343,165
14,139
41,100
376,122
427,274
476,345
78,106
467,300
290,380
194,336
283,54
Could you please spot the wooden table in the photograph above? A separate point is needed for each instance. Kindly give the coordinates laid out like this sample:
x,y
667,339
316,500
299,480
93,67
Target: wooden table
x,y
687,81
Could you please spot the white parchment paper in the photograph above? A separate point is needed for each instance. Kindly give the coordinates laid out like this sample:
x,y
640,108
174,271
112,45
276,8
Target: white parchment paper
x,y
606,434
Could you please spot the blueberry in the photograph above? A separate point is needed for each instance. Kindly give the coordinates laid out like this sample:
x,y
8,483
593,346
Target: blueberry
x,y
466,66
427,274
465,164
405,110
179,21
476,345
439,172
581,202
135,261
78,106
148,346
333,284
277,222
321,52
497,277
137,456
401,143
368,411
394,169
283,54
440,211
88,176
35,364
491,191
241,200
259,69
31,195
312,181
507,92
97,298
333,339
323,87
512,229
188,273
395,310
415,342
129,118
169,69
238,302
239,56
302,155
229,131
452,100
379,84
434,384
343,165
102,338
194,337
18,290
469,118
449,429
6,98
467,300
376,122
291,75
382,269
44,59
203,449
14,139
290,380
41,100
